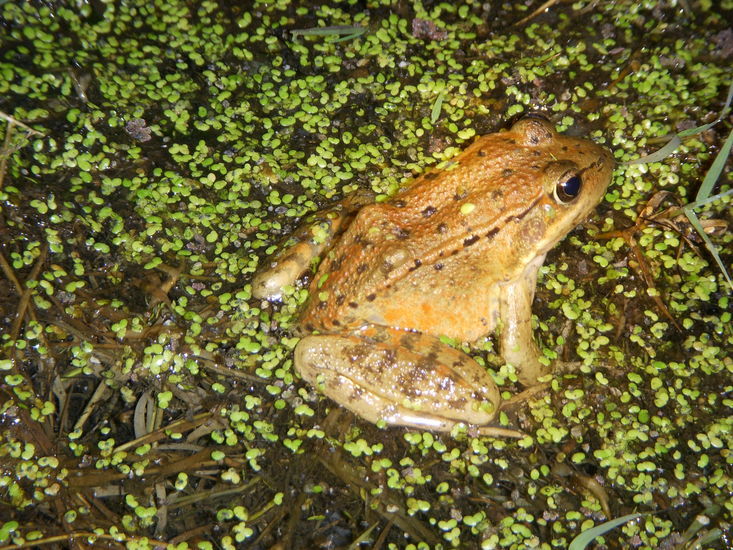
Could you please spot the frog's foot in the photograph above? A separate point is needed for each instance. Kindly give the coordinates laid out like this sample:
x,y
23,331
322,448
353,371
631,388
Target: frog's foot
x,y
309,241
400,378
570,367
512,405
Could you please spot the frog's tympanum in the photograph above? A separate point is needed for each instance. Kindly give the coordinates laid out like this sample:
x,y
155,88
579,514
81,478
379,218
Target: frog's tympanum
x,y
454,254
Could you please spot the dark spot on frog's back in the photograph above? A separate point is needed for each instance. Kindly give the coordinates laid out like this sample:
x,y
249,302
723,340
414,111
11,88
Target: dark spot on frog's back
x,y
429,211
371,297
362,268
401,233
399,203
507,172
353,305
481,153
470,240
418,263
442,228
340,299
430,175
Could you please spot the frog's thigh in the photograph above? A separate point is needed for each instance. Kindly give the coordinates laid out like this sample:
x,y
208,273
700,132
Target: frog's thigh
x,y
402,378
516,340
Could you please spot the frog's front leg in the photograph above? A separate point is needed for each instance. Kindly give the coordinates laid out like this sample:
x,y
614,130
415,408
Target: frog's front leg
x,y
309,241
516,339
400,377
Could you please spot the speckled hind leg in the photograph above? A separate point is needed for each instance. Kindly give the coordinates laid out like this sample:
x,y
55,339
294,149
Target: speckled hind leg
x,y
400,378
309,242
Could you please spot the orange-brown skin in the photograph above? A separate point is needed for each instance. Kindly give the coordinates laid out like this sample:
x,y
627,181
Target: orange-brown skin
x,y
456,253
415,262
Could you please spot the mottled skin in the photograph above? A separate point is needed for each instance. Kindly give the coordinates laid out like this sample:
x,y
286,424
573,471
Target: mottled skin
x,y
456,253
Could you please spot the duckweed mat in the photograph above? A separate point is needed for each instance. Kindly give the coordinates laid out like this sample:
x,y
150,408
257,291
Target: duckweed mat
x,y
155,153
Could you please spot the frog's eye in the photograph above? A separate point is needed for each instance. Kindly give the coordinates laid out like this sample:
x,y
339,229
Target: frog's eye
x,y
567,189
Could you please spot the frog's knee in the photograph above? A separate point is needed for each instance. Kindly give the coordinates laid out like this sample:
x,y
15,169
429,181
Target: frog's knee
x,y
307,357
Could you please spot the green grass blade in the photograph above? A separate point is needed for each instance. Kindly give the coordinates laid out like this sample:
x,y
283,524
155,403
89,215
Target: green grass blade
x,y
727,101
708,243
707,200
711,537
364,538
659,155
701,521
586,537
348,37
715,169
698,129
347,31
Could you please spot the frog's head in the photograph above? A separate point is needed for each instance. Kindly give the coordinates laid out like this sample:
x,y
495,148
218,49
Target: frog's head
x,y
574,176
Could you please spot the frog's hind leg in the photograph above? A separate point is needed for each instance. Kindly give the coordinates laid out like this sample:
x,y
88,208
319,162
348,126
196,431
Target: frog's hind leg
x,y
308,242
399,377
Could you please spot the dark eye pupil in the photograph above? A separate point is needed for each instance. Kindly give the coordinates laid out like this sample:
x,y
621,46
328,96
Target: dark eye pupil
x,y
569,189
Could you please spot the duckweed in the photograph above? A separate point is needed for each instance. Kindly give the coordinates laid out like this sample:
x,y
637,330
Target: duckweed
x,y
181,142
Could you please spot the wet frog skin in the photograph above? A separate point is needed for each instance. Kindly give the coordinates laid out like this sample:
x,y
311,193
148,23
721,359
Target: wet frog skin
x,y
456,253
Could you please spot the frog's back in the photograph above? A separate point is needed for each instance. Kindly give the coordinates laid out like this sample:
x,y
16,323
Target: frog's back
x,y
431,258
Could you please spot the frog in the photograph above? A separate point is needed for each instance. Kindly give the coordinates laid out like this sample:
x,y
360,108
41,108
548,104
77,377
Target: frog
x,y
453,256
